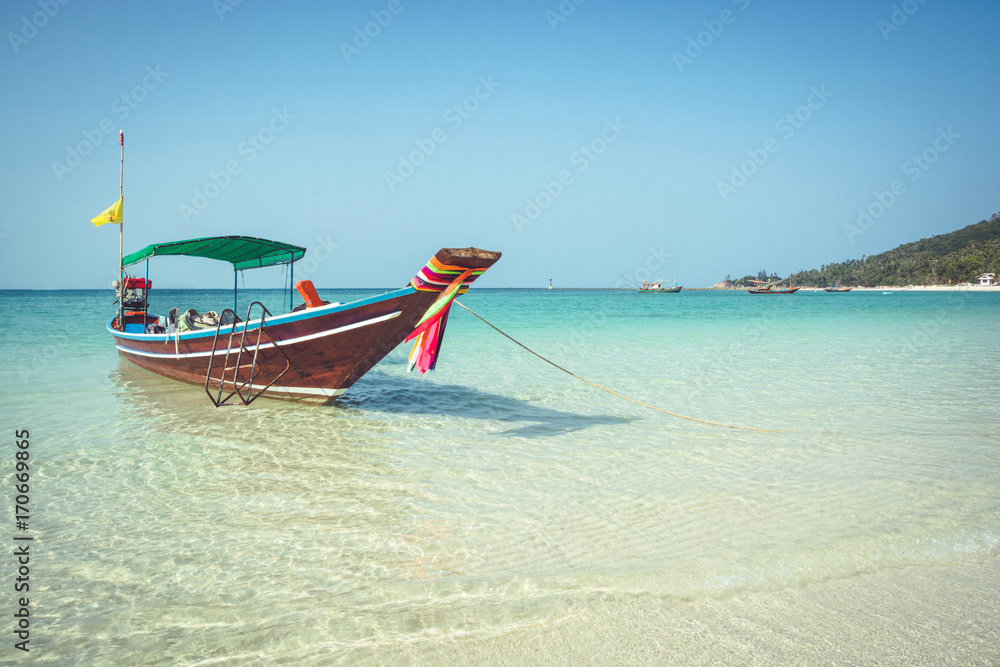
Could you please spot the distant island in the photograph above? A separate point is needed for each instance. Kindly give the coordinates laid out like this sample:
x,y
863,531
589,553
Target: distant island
x,y
961,256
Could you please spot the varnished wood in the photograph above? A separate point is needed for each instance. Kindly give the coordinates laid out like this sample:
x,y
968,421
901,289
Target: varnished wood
x,y
333,362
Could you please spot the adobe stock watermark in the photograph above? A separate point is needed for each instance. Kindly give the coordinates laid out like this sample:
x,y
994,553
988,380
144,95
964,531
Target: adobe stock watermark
x,y
562,12
29,368
714,27
248,149
453,116
223,7
37,21
326,249
786,126
914,168
576,338
901,13
930,330
122,107
363,37
755,331
655,260
581,158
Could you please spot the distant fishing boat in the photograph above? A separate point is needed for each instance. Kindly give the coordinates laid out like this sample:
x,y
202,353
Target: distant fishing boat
x,y
658,288
836,288
763,287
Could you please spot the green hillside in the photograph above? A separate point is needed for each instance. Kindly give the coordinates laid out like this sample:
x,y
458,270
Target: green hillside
x,y
961,256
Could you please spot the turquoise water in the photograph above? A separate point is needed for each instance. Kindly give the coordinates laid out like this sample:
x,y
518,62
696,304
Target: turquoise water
x,y
498,510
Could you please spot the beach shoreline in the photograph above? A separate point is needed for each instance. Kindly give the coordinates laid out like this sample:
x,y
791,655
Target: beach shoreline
x,y
882,288
922,288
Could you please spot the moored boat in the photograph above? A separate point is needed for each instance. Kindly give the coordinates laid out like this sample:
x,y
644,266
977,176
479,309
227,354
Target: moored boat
x,y
658,288
312,353
836,288
762,287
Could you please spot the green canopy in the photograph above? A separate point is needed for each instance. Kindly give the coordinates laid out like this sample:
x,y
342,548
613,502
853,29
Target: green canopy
x,y
244,252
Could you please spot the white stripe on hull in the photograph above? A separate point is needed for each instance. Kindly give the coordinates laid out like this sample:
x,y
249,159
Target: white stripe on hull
x,y
312,391
263,346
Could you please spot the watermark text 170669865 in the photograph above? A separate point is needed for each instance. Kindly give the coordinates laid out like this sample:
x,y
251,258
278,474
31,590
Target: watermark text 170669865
x,y
22,543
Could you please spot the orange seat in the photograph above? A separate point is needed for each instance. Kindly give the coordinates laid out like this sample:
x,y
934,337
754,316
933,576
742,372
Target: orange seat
x,y
308,292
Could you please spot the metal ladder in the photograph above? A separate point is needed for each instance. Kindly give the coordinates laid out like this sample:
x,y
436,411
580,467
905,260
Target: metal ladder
x,y
244,389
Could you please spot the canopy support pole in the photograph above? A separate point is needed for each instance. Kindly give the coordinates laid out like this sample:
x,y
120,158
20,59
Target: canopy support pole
x,y
291,284
121,234
235,275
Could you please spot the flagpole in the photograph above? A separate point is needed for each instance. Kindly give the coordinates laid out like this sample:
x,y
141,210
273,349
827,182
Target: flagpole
x,y
121,233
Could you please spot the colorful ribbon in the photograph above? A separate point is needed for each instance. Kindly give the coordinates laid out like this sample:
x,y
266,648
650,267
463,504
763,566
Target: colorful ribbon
x,y
429,331
436,277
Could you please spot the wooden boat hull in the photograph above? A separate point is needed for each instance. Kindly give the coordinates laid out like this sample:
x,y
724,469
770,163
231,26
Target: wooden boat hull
x,y
774,291
842,289
325,349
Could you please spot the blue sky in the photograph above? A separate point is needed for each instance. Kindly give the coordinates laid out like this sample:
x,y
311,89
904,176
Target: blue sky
x,y
683,140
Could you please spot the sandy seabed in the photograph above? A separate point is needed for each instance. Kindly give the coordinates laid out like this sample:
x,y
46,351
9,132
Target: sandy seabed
x,y
911,616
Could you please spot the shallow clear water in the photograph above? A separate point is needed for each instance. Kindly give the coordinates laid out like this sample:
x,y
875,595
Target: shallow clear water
x,y
500,510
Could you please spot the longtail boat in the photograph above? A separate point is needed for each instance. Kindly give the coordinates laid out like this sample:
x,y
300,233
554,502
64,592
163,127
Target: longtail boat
x,y
312,353
765,287
836,288
658,288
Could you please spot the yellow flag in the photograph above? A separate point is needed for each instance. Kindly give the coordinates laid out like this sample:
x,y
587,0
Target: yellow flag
x,y
112,214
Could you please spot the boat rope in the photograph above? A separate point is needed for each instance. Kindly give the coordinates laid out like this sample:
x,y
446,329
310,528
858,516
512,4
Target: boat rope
x,y
627,280
613,393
